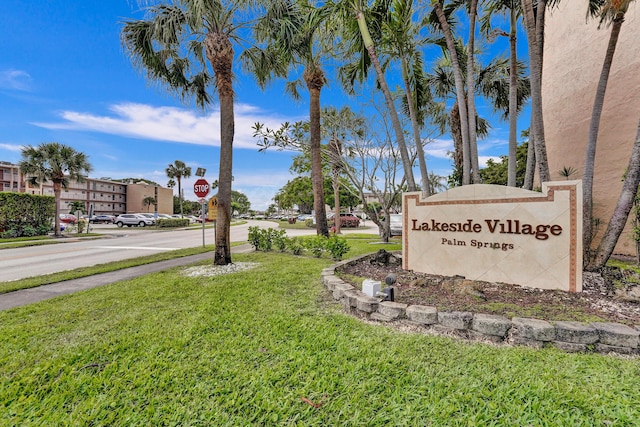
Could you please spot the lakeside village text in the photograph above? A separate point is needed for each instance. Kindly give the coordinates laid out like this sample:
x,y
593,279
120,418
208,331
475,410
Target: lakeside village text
x,y
509,227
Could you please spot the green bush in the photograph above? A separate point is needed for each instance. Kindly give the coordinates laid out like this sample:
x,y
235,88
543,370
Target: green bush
x,y
294,245
337,246
316,245
22,213
309,223
254,237
172,222
280,239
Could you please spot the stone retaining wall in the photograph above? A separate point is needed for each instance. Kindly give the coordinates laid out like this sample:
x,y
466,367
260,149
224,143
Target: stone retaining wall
x,y
600,337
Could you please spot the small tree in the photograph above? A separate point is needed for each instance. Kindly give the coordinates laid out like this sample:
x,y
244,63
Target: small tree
x,y
57,163
178,170
148,201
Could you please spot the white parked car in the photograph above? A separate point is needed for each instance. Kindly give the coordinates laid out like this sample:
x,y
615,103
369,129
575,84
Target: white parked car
x,y
136,220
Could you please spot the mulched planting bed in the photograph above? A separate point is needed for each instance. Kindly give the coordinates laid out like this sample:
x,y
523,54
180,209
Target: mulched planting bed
x,y
457,294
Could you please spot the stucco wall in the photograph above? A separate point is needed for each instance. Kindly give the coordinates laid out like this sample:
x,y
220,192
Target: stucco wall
x,y
574,53
137,192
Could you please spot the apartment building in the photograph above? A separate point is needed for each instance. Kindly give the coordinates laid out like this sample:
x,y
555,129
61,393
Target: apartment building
x,y
107,197
10,178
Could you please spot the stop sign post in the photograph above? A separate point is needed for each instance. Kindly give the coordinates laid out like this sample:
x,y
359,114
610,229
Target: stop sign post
x,y
201,189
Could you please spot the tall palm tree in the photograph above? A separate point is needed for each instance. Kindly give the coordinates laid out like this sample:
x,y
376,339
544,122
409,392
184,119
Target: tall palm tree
x,y
512,8
55,162
293,32
401,34
471,103
360,40
175,44
178,170
445,27
492,82
610,12
534,25
621,212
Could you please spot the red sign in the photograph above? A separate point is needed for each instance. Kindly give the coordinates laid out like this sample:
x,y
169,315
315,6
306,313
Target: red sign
x,y
201,188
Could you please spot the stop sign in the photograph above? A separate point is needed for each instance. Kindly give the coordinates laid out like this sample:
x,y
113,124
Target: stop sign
x,y
201,188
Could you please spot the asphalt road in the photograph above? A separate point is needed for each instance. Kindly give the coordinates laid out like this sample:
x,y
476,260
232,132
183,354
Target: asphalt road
x,y
117,244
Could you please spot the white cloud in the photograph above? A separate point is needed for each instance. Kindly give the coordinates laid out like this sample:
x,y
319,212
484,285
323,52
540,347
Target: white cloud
x,y
15,80
169,123
10,147
482,160
439,148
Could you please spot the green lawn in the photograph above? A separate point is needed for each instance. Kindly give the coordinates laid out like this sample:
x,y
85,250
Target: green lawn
x,y
247,348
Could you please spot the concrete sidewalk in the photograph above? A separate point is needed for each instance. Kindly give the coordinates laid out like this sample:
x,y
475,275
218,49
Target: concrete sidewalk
x,y
41,293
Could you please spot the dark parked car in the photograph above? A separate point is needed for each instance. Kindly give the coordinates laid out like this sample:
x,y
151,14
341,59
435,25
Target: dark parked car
x,y
105,219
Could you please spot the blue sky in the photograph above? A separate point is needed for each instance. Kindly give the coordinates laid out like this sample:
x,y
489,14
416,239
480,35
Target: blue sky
x,y
64,77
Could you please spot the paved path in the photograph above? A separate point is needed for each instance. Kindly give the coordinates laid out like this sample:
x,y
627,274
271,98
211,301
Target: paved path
x,y
41,293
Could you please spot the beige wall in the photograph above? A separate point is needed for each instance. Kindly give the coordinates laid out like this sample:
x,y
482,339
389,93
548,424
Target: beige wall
x,y
574,52
137,192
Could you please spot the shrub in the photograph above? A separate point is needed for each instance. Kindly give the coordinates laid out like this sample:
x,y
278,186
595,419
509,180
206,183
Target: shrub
x,y
172,222
316,245
254,237
337,247
294,245
309,222
280,239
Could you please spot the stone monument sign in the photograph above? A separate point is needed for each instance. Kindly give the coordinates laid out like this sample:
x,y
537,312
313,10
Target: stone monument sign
x,y
498,234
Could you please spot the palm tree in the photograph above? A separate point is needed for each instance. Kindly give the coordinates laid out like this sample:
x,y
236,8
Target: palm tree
x,y
493,82
55,162
178,170
149,201
293,33
512,8
401,34
76,206
610,12
534,25
445,27
621,212
175,44
346,10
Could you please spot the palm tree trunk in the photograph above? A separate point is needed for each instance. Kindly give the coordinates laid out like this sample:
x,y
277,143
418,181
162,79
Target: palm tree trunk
x,y
220,54
621,212
180,194
513,101
471,103
590,156
315,81
535,76
422,161
456,135
530,171
223,221
57,189
404,154
460,93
